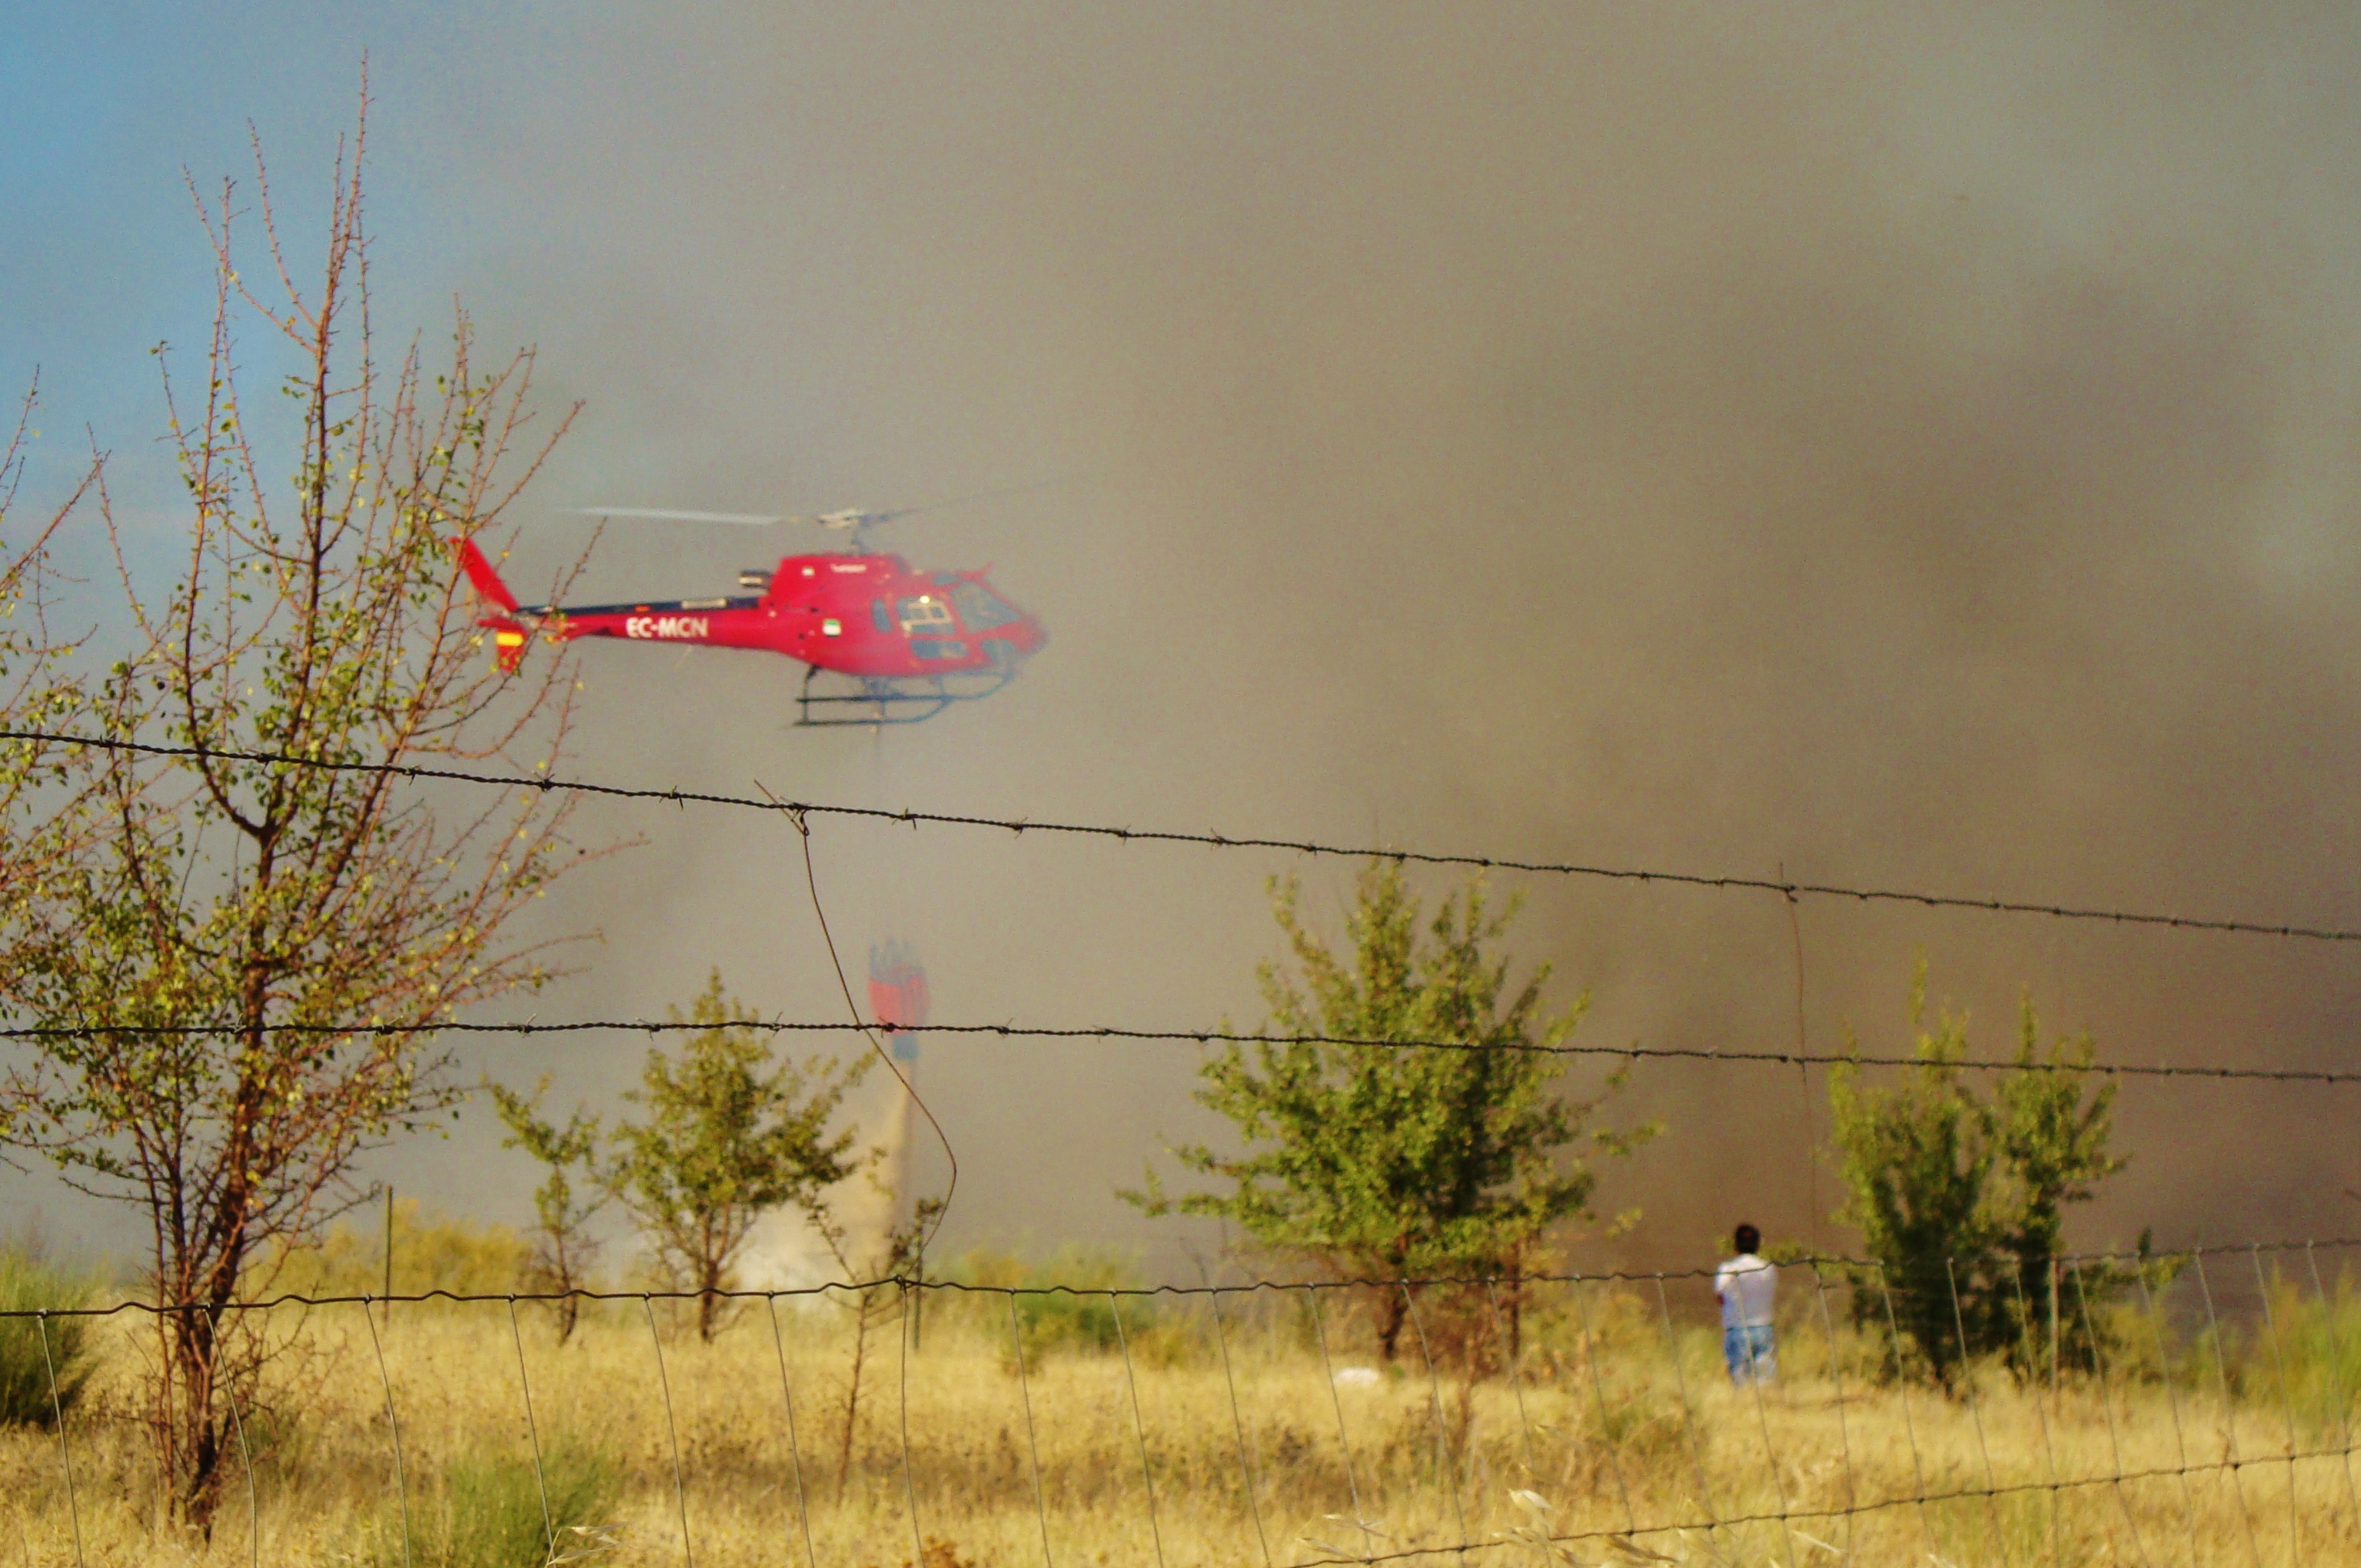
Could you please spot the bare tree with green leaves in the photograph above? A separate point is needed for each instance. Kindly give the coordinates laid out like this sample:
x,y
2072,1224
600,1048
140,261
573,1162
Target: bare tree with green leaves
x,y
1961,1202
731,1132
1385,1162
258,933
879,1291
564,1249
39,695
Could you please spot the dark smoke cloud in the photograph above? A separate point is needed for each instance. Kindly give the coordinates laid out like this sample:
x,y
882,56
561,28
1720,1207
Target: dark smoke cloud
x,y
1907,447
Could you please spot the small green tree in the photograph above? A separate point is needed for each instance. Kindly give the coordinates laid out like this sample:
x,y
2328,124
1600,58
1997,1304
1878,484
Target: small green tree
x,y
1960,1201
880,1290
2052,1127
564,1249
1917,1159
2053,1132
1381,1162
731,1133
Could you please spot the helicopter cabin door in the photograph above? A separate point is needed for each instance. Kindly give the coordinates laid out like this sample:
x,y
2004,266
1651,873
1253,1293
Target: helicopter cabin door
x,y
926,621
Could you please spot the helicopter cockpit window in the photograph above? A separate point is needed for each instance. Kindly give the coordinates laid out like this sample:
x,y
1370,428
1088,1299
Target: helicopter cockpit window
x,y
926,615
980,608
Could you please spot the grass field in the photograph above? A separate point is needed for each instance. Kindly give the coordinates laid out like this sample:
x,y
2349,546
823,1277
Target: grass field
x,y
1620,1429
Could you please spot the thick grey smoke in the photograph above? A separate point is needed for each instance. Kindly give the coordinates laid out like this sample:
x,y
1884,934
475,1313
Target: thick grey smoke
x,y
1907,447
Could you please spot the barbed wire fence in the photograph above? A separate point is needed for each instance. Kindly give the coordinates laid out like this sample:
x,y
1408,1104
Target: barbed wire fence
x,y
1632,1052
1568,1417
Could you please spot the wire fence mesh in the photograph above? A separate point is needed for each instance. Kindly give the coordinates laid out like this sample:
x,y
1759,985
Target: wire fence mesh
x,y
1571,1417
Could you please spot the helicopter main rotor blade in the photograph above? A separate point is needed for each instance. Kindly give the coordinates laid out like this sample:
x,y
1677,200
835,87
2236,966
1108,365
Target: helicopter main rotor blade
x,y
971,495
849,519
665,514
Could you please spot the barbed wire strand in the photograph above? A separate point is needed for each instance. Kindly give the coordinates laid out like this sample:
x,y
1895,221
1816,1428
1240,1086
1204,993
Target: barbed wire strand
x,y
795,1443
671,1430
38,1032
1246,1288
1920,1499
2336,1380
65,1452
1643,875
1139,1426
2287,1405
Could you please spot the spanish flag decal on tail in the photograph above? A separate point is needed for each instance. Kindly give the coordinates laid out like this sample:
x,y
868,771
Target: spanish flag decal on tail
x,y
508,643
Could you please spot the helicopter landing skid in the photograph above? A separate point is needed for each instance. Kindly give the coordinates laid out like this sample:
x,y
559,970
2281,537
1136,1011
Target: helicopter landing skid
x,y
890,699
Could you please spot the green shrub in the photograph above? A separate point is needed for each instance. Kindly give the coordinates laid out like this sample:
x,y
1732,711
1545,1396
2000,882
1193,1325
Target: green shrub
x,y
495,1504
489,1512
2307,1354
27,1283
1075,1319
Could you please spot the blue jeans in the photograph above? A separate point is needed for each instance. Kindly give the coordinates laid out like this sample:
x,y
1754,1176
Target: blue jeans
x,y
1749,1354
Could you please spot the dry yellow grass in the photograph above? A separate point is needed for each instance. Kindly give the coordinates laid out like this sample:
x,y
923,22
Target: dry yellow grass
x,y
1649,1442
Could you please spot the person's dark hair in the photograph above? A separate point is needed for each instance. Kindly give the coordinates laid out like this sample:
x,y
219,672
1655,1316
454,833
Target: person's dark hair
x,y
1748,1238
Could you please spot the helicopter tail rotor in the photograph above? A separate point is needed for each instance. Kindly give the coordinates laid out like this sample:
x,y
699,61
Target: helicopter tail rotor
x,y
480,575
509,633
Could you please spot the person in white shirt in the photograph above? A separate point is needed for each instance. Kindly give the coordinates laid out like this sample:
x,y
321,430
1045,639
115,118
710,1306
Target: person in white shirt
x,y
1744,1285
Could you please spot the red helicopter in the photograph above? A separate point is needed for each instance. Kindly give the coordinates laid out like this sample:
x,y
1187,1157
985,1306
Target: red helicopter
x,y
901,643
